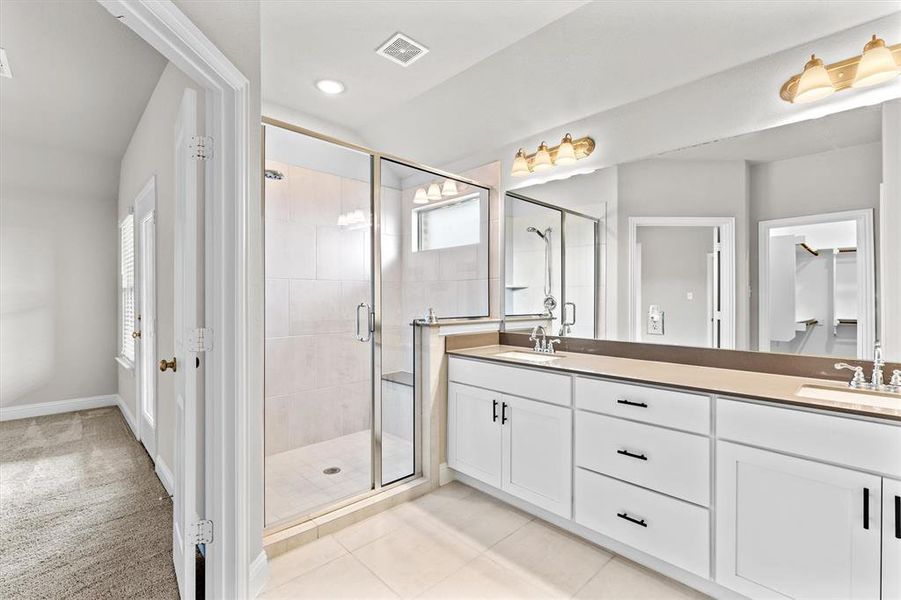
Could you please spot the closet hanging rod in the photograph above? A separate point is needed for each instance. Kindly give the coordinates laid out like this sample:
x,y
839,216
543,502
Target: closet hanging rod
x,y
809,249
847,249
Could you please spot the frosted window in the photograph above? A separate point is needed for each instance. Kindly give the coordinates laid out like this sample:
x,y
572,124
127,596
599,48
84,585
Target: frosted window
x,y
448,225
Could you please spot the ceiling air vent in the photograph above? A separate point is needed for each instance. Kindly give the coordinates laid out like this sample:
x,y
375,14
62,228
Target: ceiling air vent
x,y
402,50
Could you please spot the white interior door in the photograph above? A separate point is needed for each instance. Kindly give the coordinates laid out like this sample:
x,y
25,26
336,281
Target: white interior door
x,y
189,441
145,331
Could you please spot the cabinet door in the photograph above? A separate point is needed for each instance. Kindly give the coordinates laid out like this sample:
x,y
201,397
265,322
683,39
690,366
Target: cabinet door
x,y
794,528
474,432
538,453
891,539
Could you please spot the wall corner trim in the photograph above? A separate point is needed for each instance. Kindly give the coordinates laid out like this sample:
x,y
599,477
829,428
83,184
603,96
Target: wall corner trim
x,y
259,573
165,474
27,411
445,475
127,415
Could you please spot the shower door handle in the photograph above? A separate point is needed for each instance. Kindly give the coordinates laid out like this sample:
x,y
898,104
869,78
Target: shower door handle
x,y
573,322
370,322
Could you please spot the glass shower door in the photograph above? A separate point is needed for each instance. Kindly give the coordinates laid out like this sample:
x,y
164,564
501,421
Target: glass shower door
x,y
580,276
319,338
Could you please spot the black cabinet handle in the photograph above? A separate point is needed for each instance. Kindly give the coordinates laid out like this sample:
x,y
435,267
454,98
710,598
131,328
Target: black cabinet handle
x,y
630,403
494,411
631,455
866,508
626,516
898,517
503,413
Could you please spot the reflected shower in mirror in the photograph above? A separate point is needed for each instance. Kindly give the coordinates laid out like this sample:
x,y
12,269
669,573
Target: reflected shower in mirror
x,y
550,265
768,241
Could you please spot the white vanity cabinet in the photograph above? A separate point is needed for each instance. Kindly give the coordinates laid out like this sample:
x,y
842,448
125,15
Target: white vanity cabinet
x,y
795,528
519,445
800,525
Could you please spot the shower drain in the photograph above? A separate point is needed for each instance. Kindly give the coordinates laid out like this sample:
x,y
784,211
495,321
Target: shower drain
x,y
332,470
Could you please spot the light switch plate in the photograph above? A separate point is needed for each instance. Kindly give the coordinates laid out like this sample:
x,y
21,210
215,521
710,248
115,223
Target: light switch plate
x,y
655,323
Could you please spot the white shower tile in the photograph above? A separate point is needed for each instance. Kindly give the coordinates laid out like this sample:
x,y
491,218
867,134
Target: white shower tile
x,y
459,263
472,298
355,195
276,308
316,197
290,250
343,254
316,307
341,359
277,195
276,414
391,211
289,365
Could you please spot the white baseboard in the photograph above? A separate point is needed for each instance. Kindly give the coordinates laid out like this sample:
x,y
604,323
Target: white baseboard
x,y
127,415
165,474
27,411
445,474
259,572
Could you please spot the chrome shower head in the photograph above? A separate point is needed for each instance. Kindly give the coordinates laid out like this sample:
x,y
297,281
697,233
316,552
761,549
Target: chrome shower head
x,y
273,174
538,233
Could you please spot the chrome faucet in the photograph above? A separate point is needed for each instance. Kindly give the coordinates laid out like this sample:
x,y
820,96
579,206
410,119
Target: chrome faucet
x,y
876,382
542,344
858,380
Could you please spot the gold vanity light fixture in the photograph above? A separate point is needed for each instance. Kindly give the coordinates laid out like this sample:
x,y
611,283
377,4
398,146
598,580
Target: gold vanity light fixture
x,y
436,192
421,196
449,188
546,158
877,64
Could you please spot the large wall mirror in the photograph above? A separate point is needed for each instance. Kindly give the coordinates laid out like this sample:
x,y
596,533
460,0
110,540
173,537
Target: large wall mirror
x,y
767,241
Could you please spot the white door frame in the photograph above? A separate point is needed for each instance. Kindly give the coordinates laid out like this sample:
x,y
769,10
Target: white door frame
x,y
726,226
145,346
233,423
866,274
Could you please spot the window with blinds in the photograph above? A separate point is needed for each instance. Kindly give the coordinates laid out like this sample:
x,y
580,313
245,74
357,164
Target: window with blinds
x,y
449,224
127,288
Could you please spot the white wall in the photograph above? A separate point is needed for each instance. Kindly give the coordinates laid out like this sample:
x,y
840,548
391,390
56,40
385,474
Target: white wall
x,y
151,152
58,274
673,265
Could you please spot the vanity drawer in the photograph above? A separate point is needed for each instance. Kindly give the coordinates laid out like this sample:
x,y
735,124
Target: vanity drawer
x,y
539,385
674,531
668,461
854,443
672,408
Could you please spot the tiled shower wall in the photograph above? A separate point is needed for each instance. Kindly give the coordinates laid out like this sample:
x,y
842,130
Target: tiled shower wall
x,y
317,374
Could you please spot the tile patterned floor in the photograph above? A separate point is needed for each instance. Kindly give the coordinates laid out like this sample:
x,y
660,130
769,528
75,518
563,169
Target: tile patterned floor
x,y
296,484
459,543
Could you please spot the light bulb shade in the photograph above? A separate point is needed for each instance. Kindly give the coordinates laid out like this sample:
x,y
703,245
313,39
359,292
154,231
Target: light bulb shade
x,y
520,165
420,196
877,65
814,84
566,154
449,188
542,160
434,192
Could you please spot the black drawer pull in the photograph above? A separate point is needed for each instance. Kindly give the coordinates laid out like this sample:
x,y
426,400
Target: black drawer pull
x,y
866,508
631,455
494,411
503,413
626,516
898,517
630,403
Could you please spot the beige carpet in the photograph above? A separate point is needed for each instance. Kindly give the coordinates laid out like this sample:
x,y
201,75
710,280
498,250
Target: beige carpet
x,y
80,511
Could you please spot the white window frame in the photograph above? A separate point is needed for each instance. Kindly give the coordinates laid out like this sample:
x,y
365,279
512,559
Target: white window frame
x,y
418,213
125,338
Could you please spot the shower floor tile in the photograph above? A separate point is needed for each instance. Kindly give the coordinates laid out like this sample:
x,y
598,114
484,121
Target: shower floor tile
x,y
296,484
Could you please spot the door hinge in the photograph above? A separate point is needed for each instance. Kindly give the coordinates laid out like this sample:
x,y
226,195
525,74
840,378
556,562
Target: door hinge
x,y
717,315
717,246
201,147
203,532
200,340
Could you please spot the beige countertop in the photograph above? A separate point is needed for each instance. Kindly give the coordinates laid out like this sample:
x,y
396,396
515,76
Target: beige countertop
x,y
746,384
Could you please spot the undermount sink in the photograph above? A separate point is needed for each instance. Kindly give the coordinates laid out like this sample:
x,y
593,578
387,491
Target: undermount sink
x,y
529,356
850,395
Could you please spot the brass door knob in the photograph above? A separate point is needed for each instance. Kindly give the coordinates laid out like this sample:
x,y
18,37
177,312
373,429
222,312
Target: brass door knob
x,y
168,364
135,334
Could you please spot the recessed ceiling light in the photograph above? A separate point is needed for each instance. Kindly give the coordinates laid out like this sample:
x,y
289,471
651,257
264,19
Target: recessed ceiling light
x,y
330,86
